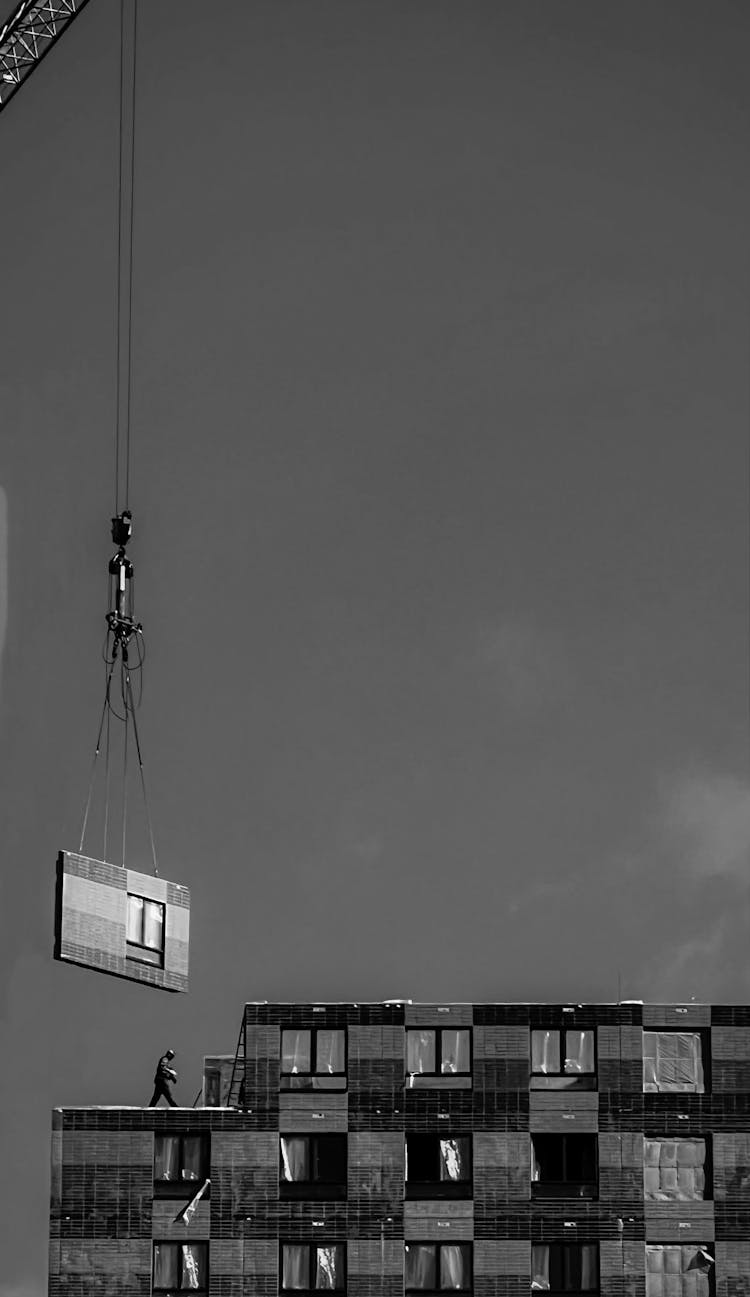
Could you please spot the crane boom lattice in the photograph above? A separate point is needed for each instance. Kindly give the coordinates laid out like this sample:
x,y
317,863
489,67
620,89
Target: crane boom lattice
x,y
28,35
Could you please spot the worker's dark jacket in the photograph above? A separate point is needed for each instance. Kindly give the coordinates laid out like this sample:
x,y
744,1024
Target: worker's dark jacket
x,y
164,1073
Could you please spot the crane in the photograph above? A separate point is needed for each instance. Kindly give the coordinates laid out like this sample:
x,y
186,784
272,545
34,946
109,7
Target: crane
x,y
110,918
28,35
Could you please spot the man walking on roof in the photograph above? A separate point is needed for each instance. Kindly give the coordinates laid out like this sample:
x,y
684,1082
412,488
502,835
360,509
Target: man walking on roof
x,y
165,1075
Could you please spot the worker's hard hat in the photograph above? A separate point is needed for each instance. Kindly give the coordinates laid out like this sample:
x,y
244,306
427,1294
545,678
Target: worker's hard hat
x,y
170,1053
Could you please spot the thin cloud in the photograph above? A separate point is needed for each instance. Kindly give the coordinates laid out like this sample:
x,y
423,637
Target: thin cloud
x,y
706,821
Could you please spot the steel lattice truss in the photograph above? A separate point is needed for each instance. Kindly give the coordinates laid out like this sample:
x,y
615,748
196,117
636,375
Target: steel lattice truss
x,y
28,35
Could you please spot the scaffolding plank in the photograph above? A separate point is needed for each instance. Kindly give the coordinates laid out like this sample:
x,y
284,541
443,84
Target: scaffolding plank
x,y
122,922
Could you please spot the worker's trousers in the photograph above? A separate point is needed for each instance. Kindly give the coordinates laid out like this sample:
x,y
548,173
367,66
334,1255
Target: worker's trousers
x,y
162,1090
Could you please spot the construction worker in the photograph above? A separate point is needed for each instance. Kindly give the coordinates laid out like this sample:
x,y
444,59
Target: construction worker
x,y
162,1081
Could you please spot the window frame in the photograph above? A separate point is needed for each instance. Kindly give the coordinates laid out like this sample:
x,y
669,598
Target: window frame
x,y
437,1032
563,1246
311,1245
174,1243
314,1189
184,1188
575,1080
437,1188
306,1080
548,1189
704,1035
132,948
437,1292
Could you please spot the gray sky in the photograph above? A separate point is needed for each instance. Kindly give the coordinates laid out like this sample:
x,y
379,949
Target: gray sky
x,y
440,491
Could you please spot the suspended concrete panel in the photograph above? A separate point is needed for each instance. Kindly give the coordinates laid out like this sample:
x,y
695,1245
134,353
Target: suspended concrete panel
x,y
121,922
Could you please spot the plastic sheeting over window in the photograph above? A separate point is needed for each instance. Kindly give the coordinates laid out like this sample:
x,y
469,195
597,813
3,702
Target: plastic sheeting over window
x,y
565,1267
679,1271
672,1061
674,1170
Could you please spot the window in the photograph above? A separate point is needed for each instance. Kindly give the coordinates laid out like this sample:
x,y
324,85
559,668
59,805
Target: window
x,y
310,1267
313,1059
560,1268
673,1270
437,1267
673,1061
438,1051
676,1170
180,1164
563,1166
180,1267
438,1166
145,931
312,1166
563,1059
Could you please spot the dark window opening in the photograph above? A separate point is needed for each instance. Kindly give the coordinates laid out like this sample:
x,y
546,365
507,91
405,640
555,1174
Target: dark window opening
x,y
438,1166
564,1166
310,1267
437,1267
560,1268
180,1267
312,1166
562,1060
145,930
313,1059
438,1051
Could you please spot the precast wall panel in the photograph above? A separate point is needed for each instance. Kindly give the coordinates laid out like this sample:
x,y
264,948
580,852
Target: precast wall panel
x,y
91,921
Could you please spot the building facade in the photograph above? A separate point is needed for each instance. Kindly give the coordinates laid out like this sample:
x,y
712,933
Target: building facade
x,y
384,1149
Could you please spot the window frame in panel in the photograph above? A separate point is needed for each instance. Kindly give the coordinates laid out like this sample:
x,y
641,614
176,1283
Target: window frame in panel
x,y
184,1188
314,1188
434,1187
172,1289
312,1080
138,951
563,1079
437,1248
587,1190
311,1247
437,1032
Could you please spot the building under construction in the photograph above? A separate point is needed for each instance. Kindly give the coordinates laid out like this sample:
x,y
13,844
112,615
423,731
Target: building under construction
x,y
383,1149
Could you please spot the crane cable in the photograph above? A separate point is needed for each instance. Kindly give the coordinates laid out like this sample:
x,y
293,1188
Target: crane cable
x,y
125,206
122,425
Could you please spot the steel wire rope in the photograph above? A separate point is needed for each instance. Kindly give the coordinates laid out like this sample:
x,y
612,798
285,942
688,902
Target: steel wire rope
x,y
124,787
143,777
96,756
